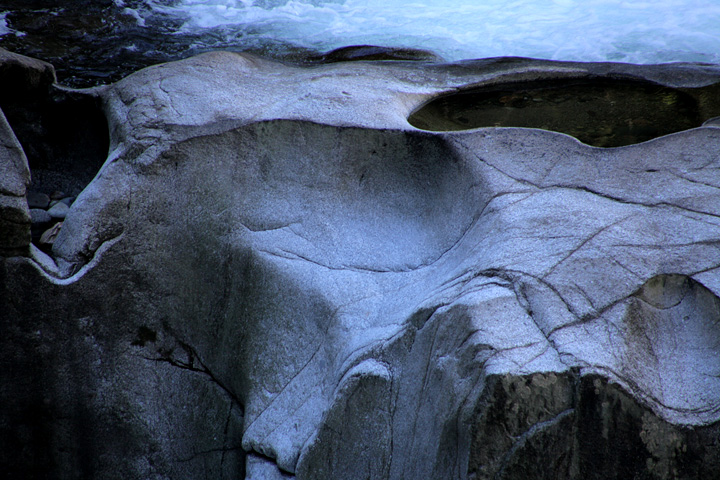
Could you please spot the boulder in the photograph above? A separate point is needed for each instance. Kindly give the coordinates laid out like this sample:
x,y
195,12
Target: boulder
x,y
40,216
59,210
275,274
48,237
23,75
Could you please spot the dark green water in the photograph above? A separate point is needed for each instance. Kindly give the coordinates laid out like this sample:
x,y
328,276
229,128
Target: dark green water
x,y
600,112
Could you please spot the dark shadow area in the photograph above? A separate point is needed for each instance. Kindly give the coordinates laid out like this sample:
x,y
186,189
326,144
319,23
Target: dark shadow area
x,y
52,424
64,135
549,426
601,112
373,53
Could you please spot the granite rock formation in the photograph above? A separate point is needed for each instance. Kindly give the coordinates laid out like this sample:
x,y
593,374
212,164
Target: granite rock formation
x,y
274,274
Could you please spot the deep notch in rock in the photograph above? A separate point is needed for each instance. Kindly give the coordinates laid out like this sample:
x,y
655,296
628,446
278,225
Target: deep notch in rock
x,y
64,135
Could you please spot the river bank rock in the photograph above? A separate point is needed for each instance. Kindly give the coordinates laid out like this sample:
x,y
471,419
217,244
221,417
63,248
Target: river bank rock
x,y
14,211
275,273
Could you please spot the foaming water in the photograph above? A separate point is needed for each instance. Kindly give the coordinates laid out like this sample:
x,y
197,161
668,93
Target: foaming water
x,y
4,29
585,30
102,43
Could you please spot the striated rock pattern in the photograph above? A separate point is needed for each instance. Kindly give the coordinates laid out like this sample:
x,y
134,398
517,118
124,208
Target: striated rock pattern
x,y
275,275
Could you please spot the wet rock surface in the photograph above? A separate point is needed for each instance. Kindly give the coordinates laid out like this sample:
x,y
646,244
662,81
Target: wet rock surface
x,y
272,274
374,53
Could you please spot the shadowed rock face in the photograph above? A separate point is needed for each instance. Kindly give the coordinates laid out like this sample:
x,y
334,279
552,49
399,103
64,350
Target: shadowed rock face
x,y
545,426
274,275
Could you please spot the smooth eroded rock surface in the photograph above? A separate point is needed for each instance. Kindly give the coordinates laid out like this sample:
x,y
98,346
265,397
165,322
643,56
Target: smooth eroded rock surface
x,y
274,275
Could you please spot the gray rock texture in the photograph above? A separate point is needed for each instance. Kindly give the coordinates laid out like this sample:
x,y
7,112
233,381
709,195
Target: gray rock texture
x,y
59,210
275,275
38,215
14,211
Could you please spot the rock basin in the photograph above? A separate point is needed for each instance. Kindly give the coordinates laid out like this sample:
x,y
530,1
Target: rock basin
x,y
602,112
269,273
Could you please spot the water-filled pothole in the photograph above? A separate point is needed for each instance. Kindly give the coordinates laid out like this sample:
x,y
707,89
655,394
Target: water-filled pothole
x,y
597,111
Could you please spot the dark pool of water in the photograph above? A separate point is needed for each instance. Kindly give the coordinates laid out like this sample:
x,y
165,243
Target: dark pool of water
x,y
599,112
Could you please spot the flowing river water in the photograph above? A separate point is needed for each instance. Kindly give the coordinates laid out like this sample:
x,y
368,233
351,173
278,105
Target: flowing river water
x,y
99,41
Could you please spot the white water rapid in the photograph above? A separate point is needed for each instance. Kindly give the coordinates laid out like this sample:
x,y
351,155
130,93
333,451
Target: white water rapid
x,y
587,30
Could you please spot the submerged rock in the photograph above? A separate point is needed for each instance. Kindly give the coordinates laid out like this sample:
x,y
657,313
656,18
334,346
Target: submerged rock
x,y
275,275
